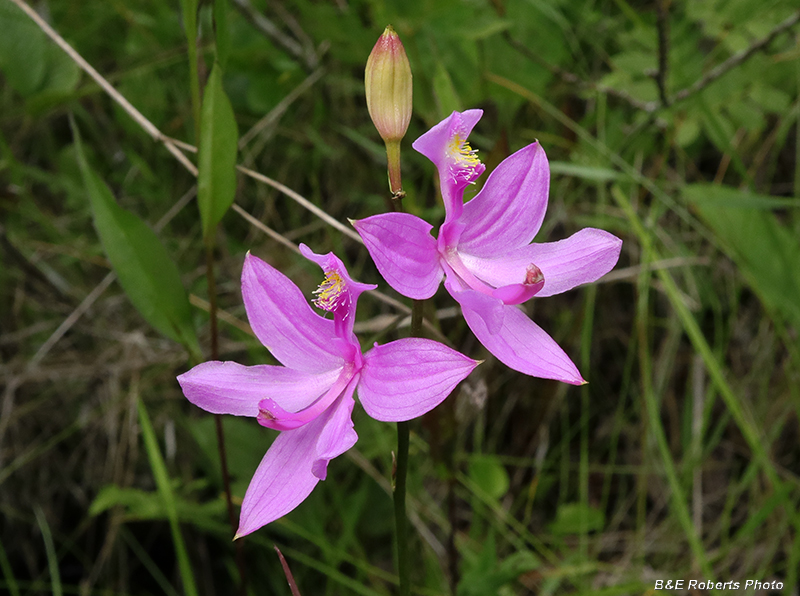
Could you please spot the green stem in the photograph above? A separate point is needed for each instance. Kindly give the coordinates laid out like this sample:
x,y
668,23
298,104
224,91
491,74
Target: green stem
x,y
400,520
401,472
393,166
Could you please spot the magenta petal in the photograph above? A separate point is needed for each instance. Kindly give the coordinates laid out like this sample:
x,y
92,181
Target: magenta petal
x,y
338,435
582,258
489,308
434,143
517,293
522,345
285,477
409,377
231,388
404,252
508,211
284,322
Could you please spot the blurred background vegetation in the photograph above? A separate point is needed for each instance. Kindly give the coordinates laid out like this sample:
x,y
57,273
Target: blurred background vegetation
x,y
672,124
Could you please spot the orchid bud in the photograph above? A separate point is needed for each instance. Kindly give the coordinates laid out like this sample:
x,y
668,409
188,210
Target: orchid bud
x,y
388,86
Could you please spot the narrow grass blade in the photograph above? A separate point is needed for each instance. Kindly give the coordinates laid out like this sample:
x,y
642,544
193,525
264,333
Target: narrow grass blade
x,y
50,549
165,489
8,573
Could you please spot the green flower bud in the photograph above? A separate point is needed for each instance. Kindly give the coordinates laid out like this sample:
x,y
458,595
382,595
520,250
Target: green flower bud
x,y
388,84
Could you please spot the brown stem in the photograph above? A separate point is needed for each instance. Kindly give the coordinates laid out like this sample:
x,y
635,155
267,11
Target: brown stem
x,y
226,480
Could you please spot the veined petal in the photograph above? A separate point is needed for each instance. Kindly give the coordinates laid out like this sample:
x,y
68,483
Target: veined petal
x,y
404,252
338,435
409,377
582,258
488,308
522,345
231,388
285,477
284,322
508,211
446,146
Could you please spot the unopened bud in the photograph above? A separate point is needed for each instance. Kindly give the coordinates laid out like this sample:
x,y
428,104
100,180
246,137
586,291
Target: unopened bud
x,y
388,84
387,80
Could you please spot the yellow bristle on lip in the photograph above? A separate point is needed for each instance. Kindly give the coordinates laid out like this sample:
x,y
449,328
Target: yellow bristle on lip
x,y
464,155
330,291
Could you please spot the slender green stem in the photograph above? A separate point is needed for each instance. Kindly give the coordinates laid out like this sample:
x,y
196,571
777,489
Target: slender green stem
x,y
401,472
400,519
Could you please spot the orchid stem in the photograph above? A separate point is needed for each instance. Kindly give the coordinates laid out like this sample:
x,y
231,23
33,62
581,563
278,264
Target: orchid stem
x,y
223,459
401,472
400,519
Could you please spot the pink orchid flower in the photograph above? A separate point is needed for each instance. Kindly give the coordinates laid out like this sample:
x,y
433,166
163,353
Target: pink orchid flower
x,y
310,398
484,248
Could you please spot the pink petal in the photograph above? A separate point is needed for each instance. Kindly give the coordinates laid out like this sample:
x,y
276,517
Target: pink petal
x,y
489,308
409,377
341,297
404,252
284,322
446,146
582,258
519,343
508,211
231,388
433,144
286,475
338,435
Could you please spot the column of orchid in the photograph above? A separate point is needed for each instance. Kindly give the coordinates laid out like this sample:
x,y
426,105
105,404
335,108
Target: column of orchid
x,y
483,251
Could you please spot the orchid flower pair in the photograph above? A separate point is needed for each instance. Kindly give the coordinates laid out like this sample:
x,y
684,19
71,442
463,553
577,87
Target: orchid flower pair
x,y
484,250
310,398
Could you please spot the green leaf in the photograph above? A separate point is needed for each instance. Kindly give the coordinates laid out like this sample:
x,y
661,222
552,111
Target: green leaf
x,y
571,516
216,185
22,50
489,474
594,174
444,92
147,273
767,253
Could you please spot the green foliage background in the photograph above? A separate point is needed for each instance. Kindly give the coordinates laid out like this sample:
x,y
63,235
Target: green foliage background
x,y
679,459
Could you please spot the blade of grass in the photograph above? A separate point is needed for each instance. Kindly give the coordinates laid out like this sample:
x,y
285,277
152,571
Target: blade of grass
x,y
148,562
50,549
8,573
680,507
165,490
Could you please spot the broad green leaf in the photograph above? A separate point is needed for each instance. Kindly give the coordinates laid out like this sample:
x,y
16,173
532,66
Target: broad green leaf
x,y
147,273
140,505
444,92
592,173
767,253
571,516
22,50
216,185
489,474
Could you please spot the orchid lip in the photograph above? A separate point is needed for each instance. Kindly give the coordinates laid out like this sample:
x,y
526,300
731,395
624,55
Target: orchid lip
x,y
271,415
